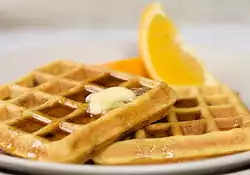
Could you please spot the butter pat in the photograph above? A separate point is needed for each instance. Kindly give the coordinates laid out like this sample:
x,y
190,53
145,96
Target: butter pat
x,y
102,102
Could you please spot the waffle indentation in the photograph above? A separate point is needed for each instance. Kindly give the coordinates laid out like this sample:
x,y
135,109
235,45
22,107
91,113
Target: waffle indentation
x,y
214,101
140,90
83,118
188,116
225,124
10,92
197,127
33,80
79,96
186,103
225,111
108,81
57,87
57,110
29,125
159,130
7,112
82,74
56,134
30,100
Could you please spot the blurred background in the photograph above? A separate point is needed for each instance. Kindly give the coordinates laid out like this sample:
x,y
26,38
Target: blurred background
x,y
33,32
97,14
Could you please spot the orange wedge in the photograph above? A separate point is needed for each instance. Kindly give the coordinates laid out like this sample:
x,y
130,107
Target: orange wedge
x,y
162,51
129,65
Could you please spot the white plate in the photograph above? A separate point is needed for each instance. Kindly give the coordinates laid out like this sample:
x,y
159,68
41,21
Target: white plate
x,y
208,166
228,66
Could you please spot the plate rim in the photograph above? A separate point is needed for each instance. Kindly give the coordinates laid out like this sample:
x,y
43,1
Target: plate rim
x,y
219,163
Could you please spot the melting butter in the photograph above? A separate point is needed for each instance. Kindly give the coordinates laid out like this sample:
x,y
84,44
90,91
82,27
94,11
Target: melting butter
x,y
102,102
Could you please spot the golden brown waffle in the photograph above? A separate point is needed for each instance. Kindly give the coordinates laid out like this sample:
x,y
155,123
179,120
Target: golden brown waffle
x,y
44,114
205,121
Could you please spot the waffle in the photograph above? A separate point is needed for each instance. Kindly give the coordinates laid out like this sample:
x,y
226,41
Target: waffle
x,y
44,115
206,121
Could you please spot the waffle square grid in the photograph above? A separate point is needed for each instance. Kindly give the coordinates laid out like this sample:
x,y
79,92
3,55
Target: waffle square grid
x,y
206,110
45,112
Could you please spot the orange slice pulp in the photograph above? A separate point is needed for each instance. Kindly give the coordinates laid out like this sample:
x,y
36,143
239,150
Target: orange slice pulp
x,y
162,51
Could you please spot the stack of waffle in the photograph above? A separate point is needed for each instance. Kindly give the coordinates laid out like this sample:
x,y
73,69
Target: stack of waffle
x,y
45,116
